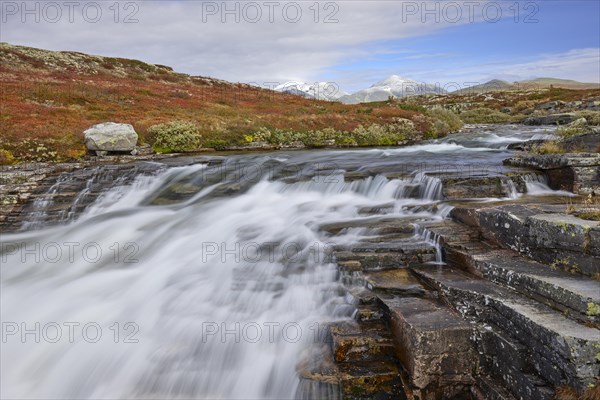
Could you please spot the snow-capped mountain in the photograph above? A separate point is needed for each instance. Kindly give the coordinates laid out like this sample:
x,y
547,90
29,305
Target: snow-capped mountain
x,y
318,90
395,86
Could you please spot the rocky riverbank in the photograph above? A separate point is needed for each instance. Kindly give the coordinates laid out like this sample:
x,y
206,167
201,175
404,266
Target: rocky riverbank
x,y
466,281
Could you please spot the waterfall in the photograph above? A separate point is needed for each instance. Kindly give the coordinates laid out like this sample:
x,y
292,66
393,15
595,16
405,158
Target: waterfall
x,y
201,281
432,238
511,189
430,187
537,185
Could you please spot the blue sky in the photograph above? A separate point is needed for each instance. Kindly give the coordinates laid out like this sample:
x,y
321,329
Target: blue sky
x,y
561,27
370,40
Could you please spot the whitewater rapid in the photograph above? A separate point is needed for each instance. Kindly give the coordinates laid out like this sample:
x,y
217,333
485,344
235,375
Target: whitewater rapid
x,y
211,296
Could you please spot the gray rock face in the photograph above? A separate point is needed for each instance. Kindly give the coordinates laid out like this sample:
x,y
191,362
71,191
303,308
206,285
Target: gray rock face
x,y
110,136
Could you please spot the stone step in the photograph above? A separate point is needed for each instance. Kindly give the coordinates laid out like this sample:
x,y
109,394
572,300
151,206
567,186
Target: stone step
x,y
561,240
396,281
322,378
575,295
374,225
432,343
509,362
368,313
371,380
562,350
360,342
360,296
387,245
372,261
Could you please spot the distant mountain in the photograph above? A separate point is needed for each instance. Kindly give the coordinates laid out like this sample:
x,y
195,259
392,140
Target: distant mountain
x,y
497,85
318,90
557,83
393,86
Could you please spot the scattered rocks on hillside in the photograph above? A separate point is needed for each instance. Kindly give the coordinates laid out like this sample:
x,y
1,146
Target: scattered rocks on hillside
x,y
553,119
110,137
551,105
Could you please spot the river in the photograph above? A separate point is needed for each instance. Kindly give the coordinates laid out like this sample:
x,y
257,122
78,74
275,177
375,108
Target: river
x,y
211,280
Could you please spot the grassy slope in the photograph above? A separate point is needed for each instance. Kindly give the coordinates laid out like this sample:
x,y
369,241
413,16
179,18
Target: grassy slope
x,y
520,103
49,98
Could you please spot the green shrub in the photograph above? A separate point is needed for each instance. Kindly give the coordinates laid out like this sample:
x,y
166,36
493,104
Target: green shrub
x,y
217,144
484,116
6,157
384,135
175,137
444,121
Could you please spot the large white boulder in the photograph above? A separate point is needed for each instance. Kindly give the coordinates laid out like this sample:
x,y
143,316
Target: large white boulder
x,y
110,136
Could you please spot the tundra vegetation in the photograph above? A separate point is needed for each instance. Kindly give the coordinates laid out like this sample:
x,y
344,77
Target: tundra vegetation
x,y
50,98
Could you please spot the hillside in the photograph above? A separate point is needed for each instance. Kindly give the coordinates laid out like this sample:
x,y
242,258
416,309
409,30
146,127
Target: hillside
x,y
49,98
497,85
557,83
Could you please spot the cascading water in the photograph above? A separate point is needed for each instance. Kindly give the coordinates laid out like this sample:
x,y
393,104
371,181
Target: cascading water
x,y
191,284
537,185
433,239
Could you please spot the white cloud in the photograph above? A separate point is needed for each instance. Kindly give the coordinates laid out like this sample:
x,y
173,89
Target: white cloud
x,y
578,64
174,33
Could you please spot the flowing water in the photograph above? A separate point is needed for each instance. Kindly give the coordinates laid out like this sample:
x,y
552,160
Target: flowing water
x,y
208,281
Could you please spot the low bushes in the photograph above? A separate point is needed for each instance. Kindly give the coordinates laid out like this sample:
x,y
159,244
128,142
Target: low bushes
x,y
444,121
175,137
484,116
549,147
371,135
6,157
575,128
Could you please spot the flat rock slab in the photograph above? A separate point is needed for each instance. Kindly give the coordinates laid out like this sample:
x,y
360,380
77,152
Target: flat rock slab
x,y
371,380
561,231
360,342
561,241
431,341
397,281
376,225
373,261
553,161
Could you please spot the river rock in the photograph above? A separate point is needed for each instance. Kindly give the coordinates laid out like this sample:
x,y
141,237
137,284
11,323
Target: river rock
x,y
111,137
553,119
587,142
551,105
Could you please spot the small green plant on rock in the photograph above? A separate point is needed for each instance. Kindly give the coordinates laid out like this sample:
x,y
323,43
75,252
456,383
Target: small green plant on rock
x,y
593,309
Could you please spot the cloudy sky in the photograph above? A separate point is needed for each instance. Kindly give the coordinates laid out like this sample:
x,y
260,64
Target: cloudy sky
x,y
353,43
